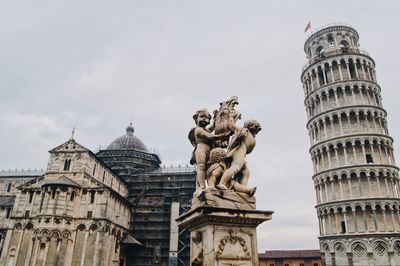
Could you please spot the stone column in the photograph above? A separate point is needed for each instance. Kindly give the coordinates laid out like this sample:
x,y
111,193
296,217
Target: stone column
x,y
350,258
333,258
340,71
356,70
348,70
220,233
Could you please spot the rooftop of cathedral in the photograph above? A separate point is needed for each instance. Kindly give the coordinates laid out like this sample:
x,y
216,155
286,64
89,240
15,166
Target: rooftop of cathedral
x,y
128,142
22,172
174,169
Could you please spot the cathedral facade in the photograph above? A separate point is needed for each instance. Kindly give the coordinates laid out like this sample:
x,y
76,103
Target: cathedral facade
x,y
116,207
74,214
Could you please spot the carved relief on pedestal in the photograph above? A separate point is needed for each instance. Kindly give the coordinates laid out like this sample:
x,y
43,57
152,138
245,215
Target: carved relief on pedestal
x,y
234,249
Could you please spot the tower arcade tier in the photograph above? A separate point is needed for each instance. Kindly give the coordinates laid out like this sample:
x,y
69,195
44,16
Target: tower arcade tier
x,y
355,174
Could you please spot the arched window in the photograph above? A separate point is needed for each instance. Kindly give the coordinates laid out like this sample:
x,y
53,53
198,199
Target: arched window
x,y
67,164
344,45
30,196
320,51
11,258
72,197
330,40
92,193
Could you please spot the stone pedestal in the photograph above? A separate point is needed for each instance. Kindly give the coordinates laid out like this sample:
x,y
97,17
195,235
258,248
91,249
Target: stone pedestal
x,y
221,233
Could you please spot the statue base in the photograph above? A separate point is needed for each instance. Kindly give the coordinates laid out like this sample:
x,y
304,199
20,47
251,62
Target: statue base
x,y
223,232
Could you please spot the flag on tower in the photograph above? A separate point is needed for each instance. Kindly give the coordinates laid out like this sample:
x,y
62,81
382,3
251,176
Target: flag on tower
x,y
308,27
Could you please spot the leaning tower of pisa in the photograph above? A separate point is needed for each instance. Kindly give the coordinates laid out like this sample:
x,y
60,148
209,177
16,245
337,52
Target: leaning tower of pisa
x,y
355,175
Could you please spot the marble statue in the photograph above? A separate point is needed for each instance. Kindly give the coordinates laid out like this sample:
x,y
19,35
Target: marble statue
x,y
221,148
202,139
223,217
242,143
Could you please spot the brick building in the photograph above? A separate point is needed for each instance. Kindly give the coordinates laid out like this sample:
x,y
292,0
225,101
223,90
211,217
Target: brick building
x,y
309,257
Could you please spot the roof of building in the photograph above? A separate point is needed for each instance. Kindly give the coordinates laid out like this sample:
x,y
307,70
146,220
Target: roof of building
x,y
130,240
62,180
7,201
285,254
22,173
174,169
128,141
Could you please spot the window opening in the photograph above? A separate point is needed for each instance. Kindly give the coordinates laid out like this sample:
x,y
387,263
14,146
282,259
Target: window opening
x,y
8,213
330,40
27,214
89,214
352,69
321,77
67,164
369,158
344,46
116,244
30,197
92,197
343,225
41,203
94,169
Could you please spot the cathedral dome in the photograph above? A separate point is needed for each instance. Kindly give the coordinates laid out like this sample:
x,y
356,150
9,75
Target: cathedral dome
x,y
128,142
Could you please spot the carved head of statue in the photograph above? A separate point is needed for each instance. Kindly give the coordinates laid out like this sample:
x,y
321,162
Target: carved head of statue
x,y
253,126
217,155
202,118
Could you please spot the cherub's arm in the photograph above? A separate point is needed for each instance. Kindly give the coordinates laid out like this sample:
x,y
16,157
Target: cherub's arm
x,y
237,139
204,134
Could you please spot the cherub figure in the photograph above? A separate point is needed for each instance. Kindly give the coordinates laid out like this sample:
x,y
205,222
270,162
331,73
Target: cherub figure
x,y
218,164
242,143
202,139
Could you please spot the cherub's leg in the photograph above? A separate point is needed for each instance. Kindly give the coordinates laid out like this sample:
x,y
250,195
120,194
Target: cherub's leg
x,y
201,175
201,159
214,177
245,174
229,173
244,189
211,180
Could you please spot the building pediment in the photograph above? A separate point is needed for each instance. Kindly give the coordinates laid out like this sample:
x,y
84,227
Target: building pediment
x,y
61,180
50,181
70,146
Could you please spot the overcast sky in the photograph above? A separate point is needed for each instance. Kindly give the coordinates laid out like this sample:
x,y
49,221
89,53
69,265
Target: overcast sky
x,y
97,65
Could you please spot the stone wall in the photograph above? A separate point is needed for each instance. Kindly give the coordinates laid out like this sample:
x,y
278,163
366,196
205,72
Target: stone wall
x,y
70,215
